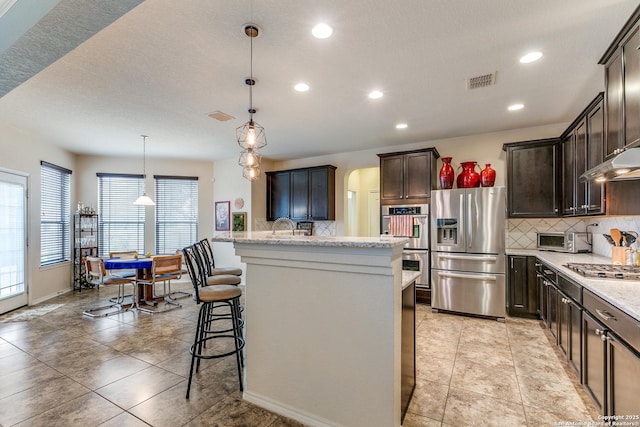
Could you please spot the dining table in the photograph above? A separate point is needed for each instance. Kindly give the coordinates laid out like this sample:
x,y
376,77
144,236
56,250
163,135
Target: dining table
x,y
142,265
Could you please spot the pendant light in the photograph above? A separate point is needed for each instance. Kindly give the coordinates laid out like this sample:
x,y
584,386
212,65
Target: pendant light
x,y
250,136
144,200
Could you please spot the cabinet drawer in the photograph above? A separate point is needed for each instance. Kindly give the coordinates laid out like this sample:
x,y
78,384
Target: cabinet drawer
x,y
613,318
570,288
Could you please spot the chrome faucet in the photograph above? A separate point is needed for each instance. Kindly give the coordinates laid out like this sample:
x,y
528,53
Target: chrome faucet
x,y
281,220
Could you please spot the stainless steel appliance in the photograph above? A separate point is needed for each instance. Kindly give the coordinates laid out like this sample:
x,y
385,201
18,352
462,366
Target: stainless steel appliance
x,y
468,251
410,221
570,241
608,271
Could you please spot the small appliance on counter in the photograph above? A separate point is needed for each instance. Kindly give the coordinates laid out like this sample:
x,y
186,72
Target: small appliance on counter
x,y
304,228
572,242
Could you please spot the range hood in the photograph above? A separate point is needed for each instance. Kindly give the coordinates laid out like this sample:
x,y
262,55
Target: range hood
x,y
625,165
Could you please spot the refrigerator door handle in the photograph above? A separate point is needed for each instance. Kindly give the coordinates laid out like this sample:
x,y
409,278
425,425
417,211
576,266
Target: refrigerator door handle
x,y
493,258
470,221
467,276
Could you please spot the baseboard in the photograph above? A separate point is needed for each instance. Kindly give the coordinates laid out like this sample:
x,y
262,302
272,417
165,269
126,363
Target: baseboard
x,y
286,411
48,297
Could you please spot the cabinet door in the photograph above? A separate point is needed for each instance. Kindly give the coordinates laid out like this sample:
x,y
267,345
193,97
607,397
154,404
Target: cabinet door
x,y
614,98
564,322
595,156
532,179
569,175
300,194
580,187
322,193
632,87
417,182
278,195
574,353
594,360
522,286
392,177
552,310
542,298
624,387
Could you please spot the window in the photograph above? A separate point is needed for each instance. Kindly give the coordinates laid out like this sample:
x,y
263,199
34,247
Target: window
x,y
55,213
120,222
176,213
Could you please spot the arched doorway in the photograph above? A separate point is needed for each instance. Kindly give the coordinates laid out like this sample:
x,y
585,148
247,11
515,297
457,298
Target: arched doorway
x,y
362,204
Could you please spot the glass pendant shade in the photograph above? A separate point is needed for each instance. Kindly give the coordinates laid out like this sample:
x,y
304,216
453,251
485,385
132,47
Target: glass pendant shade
x,y
144,200
251,172
249,158
251,135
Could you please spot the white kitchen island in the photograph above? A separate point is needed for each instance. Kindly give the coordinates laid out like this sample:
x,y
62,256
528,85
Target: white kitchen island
x,y
323,326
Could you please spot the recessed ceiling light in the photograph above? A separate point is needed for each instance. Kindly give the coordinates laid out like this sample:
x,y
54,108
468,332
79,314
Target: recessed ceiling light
x,y
375,94
322,31
301,87
401,126
531,57
515,107
622,171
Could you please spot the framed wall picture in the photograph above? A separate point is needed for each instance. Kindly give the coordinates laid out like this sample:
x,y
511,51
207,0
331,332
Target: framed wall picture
x,y
239,221
222,216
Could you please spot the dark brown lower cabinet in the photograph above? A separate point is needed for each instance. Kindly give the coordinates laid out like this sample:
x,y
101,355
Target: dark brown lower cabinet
x,y
522,290
624,379
569,330
594,367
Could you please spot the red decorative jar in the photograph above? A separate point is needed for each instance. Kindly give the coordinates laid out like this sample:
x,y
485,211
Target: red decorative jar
x,y
446,174
468,178
487,176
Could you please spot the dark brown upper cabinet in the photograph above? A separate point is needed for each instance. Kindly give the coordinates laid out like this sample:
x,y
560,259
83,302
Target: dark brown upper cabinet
x,y
533,178
302,194
582,149
408,177
622,88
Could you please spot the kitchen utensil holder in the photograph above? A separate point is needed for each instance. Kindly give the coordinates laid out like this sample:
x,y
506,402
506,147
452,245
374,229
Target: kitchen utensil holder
x,y
619,255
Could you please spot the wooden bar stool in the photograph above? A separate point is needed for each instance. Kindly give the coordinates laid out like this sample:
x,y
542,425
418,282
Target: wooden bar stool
x,y
214,296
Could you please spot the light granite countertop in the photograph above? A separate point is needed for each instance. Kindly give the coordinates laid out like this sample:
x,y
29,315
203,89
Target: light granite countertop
x,y
286,238
624,294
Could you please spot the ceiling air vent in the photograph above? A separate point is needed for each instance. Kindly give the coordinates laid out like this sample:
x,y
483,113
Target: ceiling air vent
x,y
481,81
220,116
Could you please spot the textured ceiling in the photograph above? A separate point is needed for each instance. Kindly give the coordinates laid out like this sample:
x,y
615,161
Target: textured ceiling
x,y
163,66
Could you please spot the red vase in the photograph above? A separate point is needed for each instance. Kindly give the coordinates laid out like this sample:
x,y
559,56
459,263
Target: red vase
x,y
446,174
487,176
468,178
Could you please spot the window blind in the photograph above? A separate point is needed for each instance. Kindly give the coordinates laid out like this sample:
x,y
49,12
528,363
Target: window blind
x,y
176,213
55,213
120,222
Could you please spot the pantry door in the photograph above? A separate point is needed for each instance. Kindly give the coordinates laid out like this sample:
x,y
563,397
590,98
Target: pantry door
x,y
13,241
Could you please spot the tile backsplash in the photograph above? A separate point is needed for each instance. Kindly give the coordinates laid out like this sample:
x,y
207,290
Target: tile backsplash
x,y
521,233
320,228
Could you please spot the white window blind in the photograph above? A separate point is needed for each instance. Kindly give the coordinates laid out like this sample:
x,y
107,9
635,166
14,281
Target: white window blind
x,y
120,222
176,212
55,213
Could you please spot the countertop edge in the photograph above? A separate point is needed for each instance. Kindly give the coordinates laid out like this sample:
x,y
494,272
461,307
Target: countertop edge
x,y
266,238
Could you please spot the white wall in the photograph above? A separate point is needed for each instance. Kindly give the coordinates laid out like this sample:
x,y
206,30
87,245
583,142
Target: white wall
x,y
230,185
22,152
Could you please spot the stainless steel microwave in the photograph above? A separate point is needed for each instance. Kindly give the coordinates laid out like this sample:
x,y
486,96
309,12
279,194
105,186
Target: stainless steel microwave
x,y
569,241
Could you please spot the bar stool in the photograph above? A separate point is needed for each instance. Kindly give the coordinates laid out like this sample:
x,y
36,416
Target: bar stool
x,y
207,255
222,295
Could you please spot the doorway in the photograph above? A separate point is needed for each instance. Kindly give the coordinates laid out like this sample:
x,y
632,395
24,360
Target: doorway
x,y
13,241
362,203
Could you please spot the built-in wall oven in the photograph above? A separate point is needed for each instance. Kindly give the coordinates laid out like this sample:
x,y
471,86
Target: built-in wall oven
x,y
410,221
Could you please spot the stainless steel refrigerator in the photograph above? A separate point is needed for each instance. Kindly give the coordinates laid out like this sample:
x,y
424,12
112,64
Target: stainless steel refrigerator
x,y
467,251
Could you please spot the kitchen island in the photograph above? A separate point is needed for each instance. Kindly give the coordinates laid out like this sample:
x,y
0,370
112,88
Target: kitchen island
x,y
323,319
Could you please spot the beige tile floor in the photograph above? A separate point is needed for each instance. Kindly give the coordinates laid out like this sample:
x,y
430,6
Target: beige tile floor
x,y
59,368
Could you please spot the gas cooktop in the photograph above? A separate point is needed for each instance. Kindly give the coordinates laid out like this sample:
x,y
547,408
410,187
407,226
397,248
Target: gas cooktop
x,y
606,271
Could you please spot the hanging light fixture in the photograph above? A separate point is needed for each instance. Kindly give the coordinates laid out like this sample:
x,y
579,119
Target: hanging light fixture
x,y
251,136
144,200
